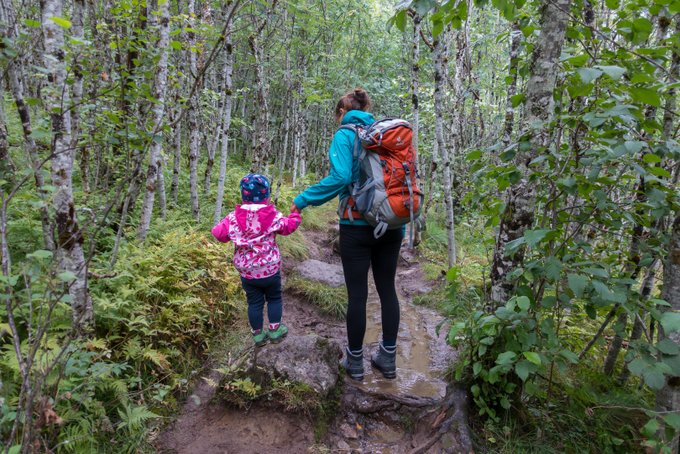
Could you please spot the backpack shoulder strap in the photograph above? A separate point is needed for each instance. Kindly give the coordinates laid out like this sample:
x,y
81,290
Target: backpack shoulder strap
x,y
357,143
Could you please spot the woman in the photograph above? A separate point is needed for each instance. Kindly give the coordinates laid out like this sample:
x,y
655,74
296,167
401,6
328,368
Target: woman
x,y
359,249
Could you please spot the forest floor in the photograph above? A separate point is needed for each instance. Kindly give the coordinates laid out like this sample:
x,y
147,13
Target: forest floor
x,y
415,413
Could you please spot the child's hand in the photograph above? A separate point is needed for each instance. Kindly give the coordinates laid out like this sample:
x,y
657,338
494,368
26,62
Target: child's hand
x,y
294,209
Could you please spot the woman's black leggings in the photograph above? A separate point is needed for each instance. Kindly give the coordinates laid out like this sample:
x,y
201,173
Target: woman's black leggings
x,y
358,250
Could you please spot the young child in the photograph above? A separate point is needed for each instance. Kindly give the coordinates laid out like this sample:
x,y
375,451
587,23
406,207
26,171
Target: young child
x,y
253,227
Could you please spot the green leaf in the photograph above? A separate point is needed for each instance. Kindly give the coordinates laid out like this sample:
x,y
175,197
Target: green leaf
x,y
569,356
588,75
604,291
659,172
523,303
32,23
670,321
673,420
60,21
612,4
651,428
177,45
66,276
653,378
506,358
651,158
533,357
533,237
473,155
476,368
668,347
16,449
646,96
553,268
637,366
517,99
523,369
577,284
40,254
615,72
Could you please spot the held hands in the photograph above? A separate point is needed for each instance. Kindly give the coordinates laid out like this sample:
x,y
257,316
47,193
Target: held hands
x,y
294,209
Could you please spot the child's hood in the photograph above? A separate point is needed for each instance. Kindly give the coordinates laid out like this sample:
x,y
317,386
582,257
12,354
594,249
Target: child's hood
x,y
255,217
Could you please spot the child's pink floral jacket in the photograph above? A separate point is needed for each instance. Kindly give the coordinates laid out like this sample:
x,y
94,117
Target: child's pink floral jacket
x,y
253,229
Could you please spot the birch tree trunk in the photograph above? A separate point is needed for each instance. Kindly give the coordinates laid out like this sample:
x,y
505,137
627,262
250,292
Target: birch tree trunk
x,y
520,199
16,86
668,398
155,157
176,157
69,236
79,36
226,119
261,140
515,37
192,117
440,63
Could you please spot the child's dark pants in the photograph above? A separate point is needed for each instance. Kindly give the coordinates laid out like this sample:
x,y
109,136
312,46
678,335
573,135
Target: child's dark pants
x,y
259,290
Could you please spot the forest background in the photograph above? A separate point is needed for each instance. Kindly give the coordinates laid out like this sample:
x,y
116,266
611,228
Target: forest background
x,y
547,137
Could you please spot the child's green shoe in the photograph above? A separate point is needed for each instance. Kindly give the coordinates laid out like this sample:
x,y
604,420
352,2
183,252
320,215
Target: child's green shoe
x,y
276,335
260,337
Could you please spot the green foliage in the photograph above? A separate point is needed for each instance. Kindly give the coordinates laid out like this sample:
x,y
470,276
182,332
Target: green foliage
x,y
330,300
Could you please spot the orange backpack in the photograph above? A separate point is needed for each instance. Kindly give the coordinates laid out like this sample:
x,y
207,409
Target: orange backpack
x,y
386,192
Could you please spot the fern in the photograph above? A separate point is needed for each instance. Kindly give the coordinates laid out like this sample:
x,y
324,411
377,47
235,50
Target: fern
x,y
133,417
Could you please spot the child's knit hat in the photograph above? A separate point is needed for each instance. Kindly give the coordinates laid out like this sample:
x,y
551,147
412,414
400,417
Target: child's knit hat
x,y
254,188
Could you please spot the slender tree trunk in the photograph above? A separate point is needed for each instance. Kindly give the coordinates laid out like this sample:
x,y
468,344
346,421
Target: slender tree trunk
x,y
440,62
262,142
69,236
78,34
515,37
176,160
520,199
192,119
15,79
226,121
155,158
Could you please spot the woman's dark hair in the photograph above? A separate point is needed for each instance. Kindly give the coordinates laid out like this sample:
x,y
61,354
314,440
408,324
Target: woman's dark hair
x,y
356,99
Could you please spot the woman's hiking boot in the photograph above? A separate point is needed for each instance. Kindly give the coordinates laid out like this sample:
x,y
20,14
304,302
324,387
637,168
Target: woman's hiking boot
x,y
385,360
354,364
260,337
278,332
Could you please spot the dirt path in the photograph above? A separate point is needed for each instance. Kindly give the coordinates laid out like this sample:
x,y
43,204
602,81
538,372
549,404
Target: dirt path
x,y
377,415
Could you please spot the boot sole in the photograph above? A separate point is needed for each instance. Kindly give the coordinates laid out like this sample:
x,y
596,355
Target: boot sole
x,y
356,377
278,339
390,375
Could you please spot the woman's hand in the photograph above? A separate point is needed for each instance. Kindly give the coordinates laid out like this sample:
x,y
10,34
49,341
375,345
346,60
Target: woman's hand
x,y
294,208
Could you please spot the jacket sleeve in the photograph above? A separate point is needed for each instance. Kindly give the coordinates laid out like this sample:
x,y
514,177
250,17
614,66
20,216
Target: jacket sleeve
x,y
289,224
221,231
340,176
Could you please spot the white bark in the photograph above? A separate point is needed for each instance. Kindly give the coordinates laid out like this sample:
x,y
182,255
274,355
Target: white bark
x,y
16,86
515,37
226,121
520,199
155,157
440,52
192,118
69,236
78,34
176,160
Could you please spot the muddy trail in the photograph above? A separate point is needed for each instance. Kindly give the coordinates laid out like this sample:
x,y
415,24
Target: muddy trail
x,y
415,413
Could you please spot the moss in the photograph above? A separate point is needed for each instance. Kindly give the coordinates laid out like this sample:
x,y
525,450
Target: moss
x,y
331,300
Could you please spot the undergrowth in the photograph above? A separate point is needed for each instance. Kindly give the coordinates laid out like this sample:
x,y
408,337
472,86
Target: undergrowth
x,y
330,300
575,408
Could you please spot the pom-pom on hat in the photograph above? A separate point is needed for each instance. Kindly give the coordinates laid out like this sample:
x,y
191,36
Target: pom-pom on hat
x,y
254,188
